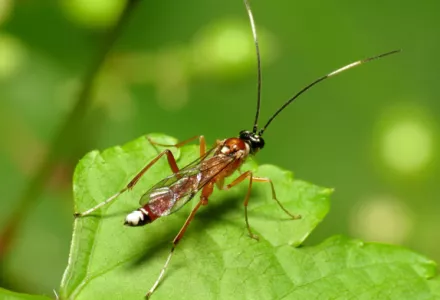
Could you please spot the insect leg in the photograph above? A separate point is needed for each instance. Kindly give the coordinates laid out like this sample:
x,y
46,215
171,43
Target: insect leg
x,y
274,196
248,174
171,162
182,143
175,242
206,192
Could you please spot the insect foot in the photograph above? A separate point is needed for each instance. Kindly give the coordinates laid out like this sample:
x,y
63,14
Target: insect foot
x,y
255,237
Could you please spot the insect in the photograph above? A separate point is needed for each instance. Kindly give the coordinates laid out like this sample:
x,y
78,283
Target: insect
x,y
210,169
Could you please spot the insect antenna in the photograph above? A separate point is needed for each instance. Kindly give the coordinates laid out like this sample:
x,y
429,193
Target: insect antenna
x,y
257,49
340,70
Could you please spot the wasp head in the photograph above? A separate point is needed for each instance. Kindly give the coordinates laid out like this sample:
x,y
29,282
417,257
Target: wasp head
x,y
254,140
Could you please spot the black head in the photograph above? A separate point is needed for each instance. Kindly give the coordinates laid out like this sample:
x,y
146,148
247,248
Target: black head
x,y
254,140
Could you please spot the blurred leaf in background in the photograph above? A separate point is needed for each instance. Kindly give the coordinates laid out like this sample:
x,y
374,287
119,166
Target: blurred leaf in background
x,y
185,69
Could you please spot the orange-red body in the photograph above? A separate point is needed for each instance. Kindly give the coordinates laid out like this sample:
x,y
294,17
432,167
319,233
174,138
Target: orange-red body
x,y
174,191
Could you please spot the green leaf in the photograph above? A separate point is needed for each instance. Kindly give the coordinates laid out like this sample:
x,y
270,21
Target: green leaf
x,y
9,295
341,268
216,259
109,260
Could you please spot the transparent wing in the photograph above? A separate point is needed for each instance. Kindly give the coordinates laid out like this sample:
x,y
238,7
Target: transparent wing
x,y
174,191
194,184
168,199
190,170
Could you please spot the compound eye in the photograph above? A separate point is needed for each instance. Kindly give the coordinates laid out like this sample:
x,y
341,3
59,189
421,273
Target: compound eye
x,y
258,143
244,134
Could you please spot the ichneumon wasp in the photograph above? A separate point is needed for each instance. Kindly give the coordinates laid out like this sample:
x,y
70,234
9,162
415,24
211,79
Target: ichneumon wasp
x,y
210,169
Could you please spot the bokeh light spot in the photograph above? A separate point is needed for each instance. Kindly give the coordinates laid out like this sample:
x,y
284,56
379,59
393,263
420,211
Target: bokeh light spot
x,y
407,140
381,218
232,45
12,54
94,14
226,48
407,146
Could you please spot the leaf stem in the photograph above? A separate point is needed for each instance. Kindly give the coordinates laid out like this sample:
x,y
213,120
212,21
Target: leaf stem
x,y
63,138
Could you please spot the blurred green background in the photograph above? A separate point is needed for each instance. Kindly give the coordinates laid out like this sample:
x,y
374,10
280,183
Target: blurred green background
x,y
188,67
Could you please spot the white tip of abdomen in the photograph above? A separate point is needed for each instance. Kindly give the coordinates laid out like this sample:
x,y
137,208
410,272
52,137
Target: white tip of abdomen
x,y
134,218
